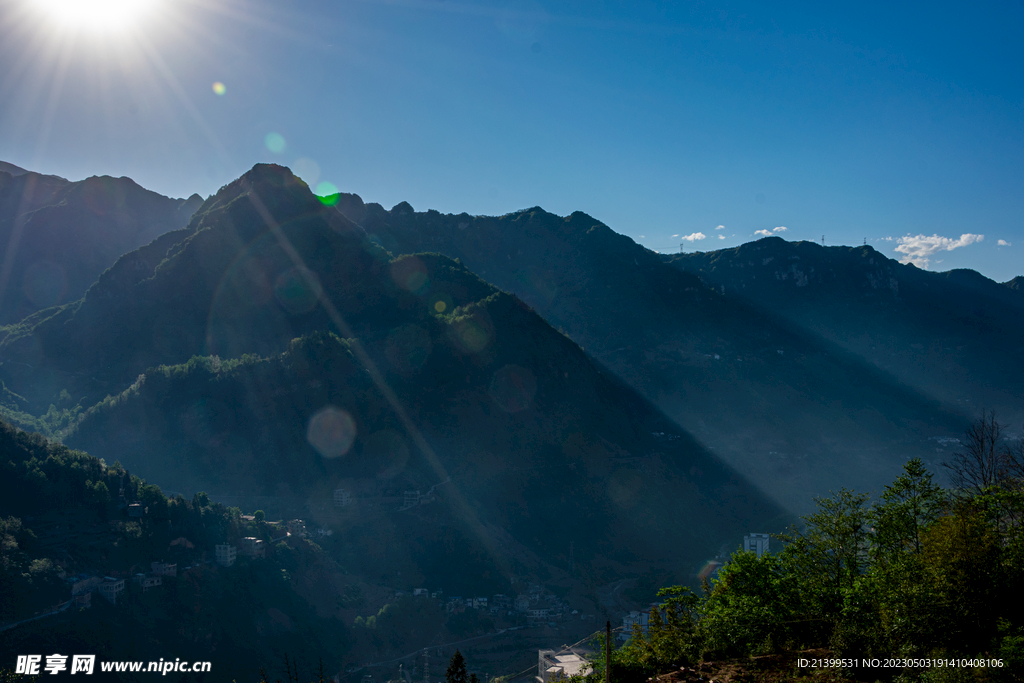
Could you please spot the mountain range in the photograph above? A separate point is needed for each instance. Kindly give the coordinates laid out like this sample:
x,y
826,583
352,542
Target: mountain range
x,y
502,400
782,400
59,236
272,347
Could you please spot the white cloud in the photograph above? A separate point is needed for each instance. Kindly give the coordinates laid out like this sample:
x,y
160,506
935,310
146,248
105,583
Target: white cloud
x,y
643,237
720,227
694,237
781,228
918,249
766,233
675,235
1004,243
721,237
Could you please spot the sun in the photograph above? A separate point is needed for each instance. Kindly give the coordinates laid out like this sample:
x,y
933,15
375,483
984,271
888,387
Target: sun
x,y
96,15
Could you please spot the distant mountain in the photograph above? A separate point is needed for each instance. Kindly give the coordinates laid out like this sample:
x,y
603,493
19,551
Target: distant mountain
x,y
60,235
956,336
792,409
11,168
442,382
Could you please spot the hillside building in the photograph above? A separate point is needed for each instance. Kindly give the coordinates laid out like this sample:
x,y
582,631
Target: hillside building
x,y
110,588
163,569
147,581
342,498
632,619
82,584
756,543
555,665
252,547
225,554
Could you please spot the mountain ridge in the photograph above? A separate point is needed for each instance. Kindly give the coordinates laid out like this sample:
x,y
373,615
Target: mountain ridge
x,y
62,235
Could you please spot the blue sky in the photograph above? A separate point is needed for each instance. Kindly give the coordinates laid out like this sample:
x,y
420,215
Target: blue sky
x,y
903,126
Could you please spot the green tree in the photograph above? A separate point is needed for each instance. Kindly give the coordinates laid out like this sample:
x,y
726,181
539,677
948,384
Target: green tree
x,y
897,600
909,505
828,556
748,608
260,516
962,557
456,672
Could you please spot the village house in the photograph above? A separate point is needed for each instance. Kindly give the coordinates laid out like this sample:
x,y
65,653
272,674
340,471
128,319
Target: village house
x,y
225,554
82,584
110,588
632,619
163,569
147,581
252,547
554,665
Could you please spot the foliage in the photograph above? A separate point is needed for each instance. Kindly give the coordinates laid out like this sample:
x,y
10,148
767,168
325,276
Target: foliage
x,y
921,572
456,671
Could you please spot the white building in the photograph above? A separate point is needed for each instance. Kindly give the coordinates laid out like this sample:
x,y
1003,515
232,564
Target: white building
x,y
756,543
225,554
342,498
111,588
553,665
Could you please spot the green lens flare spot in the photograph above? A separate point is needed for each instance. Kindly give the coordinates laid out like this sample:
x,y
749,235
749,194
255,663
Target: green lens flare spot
x,y
275,142
327,193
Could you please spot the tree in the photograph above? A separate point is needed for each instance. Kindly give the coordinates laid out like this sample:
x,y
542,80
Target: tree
x,y
260,516
909,505
830,554
456,672
898,596
748,608
962,555
984,462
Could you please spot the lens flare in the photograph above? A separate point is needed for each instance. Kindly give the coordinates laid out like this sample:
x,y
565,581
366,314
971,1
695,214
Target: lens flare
x,y
331,432
327,193
219,88
708,570
407,348
298,290
275,142
410,274
308,170
472,334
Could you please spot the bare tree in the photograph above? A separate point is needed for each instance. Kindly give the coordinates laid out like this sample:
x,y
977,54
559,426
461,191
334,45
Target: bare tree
x,y
984,461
